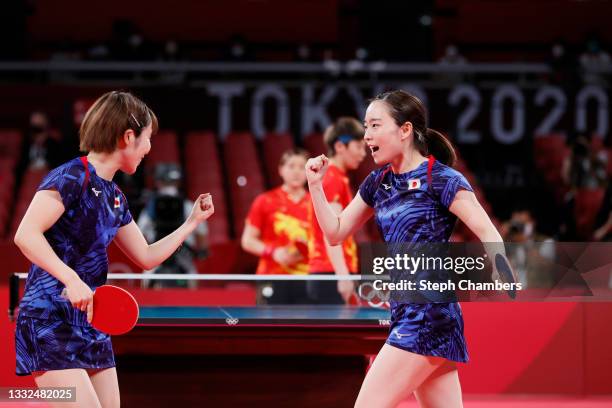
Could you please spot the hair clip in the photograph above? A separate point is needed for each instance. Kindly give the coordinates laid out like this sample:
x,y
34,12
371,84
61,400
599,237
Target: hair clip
x,y
135,120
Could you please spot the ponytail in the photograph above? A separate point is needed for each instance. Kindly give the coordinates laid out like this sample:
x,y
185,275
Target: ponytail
x,y
405,107
441,148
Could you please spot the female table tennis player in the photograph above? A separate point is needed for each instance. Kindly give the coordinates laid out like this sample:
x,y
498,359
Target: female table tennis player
x,y
77,211
277,226
425,340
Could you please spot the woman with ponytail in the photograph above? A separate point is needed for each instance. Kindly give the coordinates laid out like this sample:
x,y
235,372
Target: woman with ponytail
x,y
416,196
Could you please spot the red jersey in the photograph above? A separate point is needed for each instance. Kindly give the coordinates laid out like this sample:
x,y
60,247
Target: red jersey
x,y
281,222
337,190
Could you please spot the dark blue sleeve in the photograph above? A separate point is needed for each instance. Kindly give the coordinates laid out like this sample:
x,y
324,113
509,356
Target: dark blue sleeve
x,y
447,183
67,180
368,188
127,215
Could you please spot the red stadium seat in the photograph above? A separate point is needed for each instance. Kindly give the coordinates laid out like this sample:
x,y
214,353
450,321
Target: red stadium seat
x,y
244,176
7,164
549,142
588,203
314,144
597,143
10,143
274,145
7,183
4,216
203,174
549,151
164,149
30,182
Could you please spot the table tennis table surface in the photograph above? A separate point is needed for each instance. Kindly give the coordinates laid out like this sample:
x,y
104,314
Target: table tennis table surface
x,y
302,315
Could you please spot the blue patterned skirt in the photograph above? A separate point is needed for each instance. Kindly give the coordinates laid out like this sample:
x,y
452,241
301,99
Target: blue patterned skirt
x,y
430,329
43,345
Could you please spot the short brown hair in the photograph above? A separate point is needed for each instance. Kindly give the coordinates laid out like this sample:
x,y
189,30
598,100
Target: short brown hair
x,y
344,129
289,153
108,119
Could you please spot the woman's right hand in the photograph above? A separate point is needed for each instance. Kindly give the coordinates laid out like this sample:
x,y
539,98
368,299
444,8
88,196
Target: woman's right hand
x,y
286,256
80,296
316,169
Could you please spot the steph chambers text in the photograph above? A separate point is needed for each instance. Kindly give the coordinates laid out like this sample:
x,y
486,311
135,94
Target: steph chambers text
x,y
445,286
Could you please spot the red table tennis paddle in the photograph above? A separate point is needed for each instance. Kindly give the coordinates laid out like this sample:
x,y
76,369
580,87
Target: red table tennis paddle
x,y
115,311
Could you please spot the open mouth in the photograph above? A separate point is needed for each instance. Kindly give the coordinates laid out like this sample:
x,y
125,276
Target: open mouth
x,y
374,149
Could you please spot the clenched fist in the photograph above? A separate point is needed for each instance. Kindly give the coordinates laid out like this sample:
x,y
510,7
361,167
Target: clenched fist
x,y
316,169
202,209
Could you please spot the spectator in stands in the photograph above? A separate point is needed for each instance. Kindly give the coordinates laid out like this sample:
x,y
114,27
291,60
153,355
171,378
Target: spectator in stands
x,y
41,149
593,60
358,62
529,251
453,58
303,53
164,212
562,64
239,49
276,230
346,148
331,63
171,51
582,169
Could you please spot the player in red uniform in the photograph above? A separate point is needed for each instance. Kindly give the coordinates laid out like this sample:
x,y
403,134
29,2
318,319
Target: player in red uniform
x,y
276,230
344,140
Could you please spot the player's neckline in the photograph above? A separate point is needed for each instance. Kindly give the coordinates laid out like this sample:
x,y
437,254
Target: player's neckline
x,y
92,171
417,168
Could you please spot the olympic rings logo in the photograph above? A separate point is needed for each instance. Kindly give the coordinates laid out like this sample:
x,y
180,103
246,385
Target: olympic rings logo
x,y
374,297
232,321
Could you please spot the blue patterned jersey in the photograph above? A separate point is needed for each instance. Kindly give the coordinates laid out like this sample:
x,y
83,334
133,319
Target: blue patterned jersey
x,y
94,210
412,208
407,208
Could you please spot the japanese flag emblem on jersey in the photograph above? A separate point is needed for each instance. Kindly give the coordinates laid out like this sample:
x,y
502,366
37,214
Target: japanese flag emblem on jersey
x,y
117,202
414,184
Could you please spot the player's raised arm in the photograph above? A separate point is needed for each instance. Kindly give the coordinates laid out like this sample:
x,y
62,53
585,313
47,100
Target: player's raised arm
x,y
131,241
335,227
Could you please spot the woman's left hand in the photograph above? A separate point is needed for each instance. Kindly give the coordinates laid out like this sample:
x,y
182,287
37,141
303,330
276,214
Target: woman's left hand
x,y
202,209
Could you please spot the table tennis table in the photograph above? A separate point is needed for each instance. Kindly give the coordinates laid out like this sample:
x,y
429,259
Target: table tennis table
x,y
233,356
298,315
